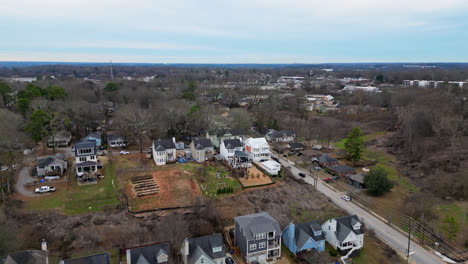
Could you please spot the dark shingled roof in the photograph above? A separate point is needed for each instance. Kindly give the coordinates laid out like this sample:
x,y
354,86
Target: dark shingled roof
x,y
111,137
204,246
238,153
202,143
27,257
345,225
102,258
257,223
45,162
281,133
162,145
297,145
232,143
341,168
326,159
233,132
149,253
357,177
305,230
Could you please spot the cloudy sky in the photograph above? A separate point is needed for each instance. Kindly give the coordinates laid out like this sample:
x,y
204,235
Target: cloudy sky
x,y
240,31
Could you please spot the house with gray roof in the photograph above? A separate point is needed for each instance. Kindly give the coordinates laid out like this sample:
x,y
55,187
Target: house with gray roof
x,y
202,149
51,166
102,258
345,234
324,161
158,253
164,151
27,257
95,136
61,139
207,250
116,141
342,170
217,137
86,161
304,237
229,147
357,180
258,237
280,136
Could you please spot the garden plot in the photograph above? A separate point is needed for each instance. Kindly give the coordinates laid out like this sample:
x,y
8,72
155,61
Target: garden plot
x,y
144,185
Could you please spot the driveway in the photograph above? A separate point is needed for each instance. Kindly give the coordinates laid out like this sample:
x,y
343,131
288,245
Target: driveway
x,y
24,178
386,233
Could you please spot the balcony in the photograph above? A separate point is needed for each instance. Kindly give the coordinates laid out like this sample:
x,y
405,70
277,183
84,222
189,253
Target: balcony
x,y
349,245
274,243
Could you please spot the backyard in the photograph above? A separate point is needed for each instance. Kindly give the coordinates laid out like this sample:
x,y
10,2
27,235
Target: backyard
x,y
255,177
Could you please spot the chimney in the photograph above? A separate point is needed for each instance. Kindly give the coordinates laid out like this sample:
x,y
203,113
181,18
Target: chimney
x,y
44,245
186,251
173,139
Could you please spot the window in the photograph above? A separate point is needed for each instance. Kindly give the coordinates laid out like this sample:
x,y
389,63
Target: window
x,y
253,246
82,159
262,245
79,169
202,260
162,258
93,157
260,236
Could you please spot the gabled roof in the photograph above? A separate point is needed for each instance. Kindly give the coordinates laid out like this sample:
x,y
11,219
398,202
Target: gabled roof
x,y
345,225
232,143
257,223
162,145
85,144
27,257
204,246
256,142
281,133
111,137
45,162
305,230
341,168
357,177
297,145
234,132
149,253
326,159
202,143
103,258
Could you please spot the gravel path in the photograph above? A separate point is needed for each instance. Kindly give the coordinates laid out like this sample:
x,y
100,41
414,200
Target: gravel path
x,y
23,179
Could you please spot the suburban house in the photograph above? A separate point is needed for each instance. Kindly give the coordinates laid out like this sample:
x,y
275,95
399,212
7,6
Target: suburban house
x,y
96,136
356,180
345,234
116,141
312,154
61,139
304,237
324,161
280,136
217,137
271,167
342,170
229,147
207,249
102,258
86,158
258,237
28,256
202,149
51,166
158,253
164,151
241,160
296,146
257,149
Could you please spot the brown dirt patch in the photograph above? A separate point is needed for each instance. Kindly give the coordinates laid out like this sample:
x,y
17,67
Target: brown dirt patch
x,y
253,179
176,190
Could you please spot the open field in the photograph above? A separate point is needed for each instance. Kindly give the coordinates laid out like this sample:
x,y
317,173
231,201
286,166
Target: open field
x,y
255,177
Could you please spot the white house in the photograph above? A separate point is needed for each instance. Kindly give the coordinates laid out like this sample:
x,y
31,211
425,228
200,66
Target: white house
x,y
228,148
345,234
164,151
257,149
204,250
271,167
116,141
367,89
86,157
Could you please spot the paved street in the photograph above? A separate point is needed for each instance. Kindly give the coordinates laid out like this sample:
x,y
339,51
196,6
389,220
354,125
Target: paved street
x,y
386,233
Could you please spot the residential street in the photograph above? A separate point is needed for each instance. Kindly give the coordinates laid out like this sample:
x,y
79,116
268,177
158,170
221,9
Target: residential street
x,y
386,233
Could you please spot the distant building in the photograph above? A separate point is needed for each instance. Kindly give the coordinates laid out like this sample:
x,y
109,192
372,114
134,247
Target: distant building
x,y
291,79
432,84
368,89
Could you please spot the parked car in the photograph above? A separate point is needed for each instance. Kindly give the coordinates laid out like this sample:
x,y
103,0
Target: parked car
x,y
123,152
4,168
229,260
45,189
318,168
330,147
52,177
335,178
328,179
302,174
346,198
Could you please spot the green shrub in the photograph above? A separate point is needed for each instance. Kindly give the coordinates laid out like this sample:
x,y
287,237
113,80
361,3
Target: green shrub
x,y
333,252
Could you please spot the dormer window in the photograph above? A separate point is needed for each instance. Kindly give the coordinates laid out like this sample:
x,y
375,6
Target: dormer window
x,y
260,236
217,249
162,258
271,234
318,233
357,227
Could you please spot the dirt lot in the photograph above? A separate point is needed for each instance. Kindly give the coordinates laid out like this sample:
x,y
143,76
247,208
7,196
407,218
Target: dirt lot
x,y
253,180
177,189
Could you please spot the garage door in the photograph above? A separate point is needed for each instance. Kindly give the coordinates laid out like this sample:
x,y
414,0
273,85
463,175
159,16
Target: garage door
x,y
252,258
262,257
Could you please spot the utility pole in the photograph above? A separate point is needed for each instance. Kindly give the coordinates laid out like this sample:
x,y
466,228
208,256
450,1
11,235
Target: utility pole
x,y
409,240
112,72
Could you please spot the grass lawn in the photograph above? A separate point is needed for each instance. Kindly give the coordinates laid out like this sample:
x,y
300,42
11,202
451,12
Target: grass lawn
x,y
211,182
74,199
373,252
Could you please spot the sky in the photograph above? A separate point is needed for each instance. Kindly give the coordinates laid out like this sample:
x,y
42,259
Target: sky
x,y
240,31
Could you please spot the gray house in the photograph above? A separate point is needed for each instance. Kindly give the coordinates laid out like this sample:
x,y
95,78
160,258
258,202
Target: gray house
x,y
280,136
207,250
158,253
61,139
102,258
258,237
51,166
202,149
357,180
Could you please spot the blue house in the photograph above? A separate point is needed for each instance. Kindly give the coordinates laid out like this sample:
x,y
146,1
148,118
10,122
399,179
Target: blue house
x,y
303,237
96,136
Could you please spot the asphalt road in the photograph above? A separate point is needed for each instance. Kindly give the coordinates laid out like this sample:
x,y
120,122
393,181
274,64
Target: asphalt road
x,y
386,233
